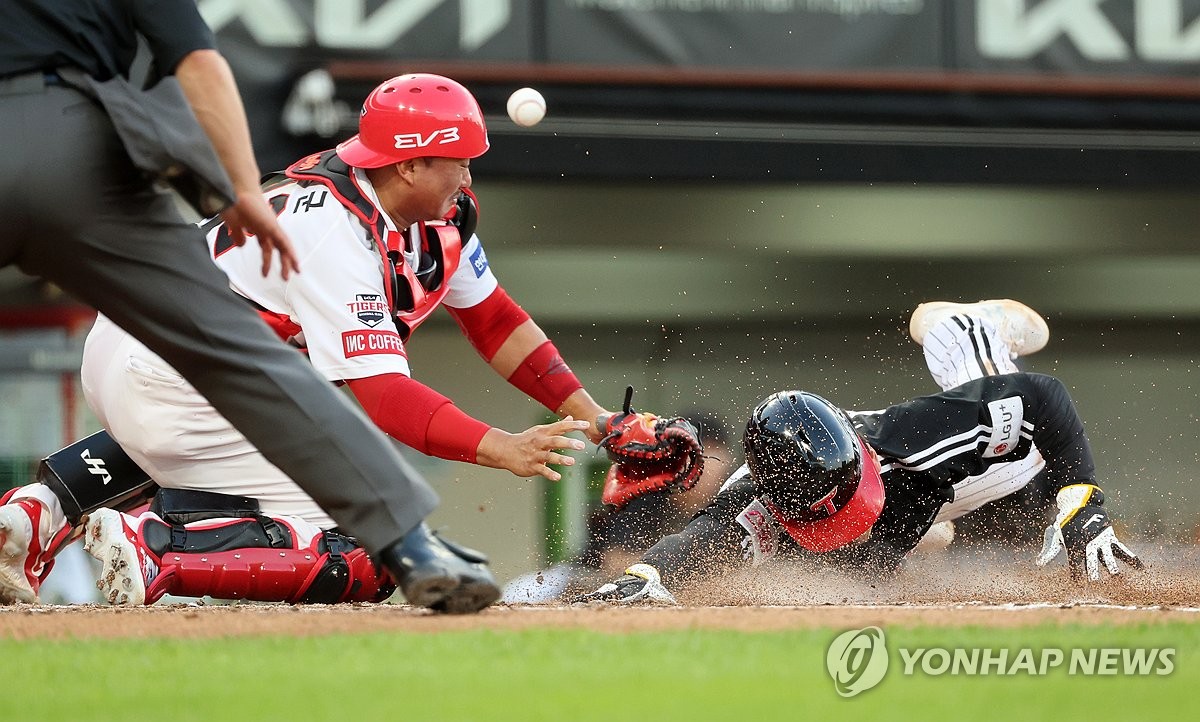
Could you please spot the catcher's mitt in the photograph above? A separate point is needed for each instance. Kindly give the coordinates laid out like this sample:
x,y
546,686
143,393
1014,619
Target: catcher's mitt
x,y
649,453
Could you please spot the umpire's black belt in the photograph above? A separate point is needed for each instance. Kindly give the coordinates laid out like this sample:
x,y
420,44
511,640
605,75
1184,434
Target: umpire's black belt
x,y
33,82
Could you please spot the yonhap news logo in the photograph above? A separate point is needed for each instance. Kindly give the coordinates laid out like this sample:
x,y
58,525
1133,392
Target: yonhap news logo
x,y
858,660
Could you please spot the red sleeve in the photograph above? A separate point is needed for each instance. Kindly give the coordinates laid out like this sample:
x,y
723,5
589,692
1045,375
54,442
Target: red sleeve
x,y
545,377
489,323
418,416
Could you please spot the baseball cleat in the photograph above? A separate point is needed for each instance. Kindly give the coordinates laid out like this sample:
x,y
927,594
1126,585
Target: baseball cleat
x,y
1022,328
126,567
17,583
439,574
472,595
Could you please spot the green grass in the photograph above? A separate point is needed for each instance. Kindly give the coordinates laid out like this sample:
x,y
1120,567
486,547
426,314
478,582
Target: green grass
x,y
572,675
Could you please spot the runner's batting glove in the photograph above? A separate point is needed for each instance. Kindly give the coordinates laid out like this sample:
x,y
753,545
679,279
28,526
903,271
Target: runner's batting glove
x,y
1084,529
648,454
640,585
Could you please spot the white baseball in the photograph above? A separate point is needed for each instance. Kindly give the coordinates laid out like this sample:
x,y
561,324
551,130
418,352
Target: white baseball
x,y
526,107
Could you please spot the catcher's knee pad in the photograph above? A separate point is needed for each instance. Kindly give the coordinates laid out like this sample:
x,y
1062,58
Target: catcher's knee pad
x,y
92,473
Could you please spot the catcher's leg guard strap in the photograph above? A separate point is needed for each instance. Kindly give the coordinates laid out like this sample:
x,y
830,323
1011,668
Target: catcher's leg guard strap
x,y
234,534
94,472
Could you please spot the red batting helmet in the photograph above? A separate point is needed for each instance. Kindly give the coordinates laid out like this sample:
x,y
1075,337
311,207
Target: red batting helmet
x,y
812,470
415,116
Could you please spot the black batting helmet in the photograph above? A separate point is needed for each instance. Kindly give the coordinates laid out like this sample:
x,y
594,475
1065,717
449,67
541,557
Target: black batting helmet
x,y
812,470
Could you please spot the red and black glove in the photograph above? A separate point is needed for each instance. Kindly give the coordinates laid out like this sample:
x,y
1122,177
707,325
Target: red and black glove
x,y
649,454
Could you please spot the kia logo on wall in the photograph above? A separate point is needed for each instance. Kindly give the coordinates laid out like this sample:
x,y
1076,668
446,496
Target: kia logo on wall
x,y
1020,30
348,23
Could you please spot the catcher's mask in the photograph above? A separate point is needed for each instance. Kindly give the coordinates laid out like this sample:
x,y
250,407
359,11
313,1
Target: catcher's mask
x,y
416,116
812,471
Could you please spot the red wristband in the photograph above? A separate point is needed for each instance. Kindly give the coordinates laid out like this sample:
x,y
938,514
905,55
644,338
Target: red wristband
x,y
545,377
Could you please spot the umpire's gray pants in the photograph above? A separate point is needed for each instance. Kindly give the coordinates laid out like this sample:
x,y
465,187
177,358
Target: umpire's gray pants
x,y
74,211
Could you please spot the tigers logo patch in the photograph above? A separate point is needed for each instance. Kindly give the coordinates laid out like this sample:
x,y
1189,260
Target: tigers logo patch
x,y
369,308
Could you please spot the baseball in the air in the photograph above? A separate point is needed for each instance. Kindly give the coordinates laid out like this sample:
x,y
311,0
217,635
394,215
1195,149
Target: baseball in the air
x,y
526,107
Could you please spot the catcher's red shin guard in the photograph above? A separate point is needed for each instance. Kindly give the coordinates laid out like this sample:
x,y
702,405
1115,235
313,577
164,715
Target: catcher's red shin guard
x,y
273,575
255,559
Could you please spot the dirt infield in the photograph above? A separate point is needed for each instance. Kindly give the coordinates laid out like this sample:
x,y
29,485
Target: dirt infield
x,y
937,590
188,621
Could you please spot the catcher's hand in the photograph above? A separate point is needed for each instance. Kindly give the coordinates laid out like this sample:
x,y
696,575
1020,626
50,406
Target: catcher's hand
x,y
648,453
639,585
1083,528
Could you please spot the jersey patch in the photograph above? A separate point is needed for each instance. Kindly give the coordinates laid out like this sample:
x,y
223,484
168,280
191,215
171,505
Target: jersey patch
x,y
369,308
314,199
479,262
1007,417
369,343
762,535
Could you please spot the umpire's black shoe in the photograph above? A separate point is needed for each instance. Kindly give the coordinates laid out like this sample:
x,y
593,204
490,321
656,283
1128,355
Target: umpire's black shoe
x,y
436,573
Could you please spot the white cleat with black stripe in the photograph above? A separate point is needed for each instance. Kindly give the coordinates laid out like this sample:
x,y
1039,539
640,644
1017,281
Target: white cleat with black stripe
x,y
1022,328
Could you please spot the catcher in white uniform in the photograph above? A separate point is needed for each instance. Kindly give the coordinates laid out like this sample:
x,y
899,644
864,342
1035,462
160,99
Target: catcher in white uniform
x,y
384,228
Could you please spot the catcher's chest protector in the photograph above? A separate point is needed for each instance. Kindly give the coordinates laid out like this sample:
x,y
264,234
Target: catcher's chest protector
x,y
417,262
